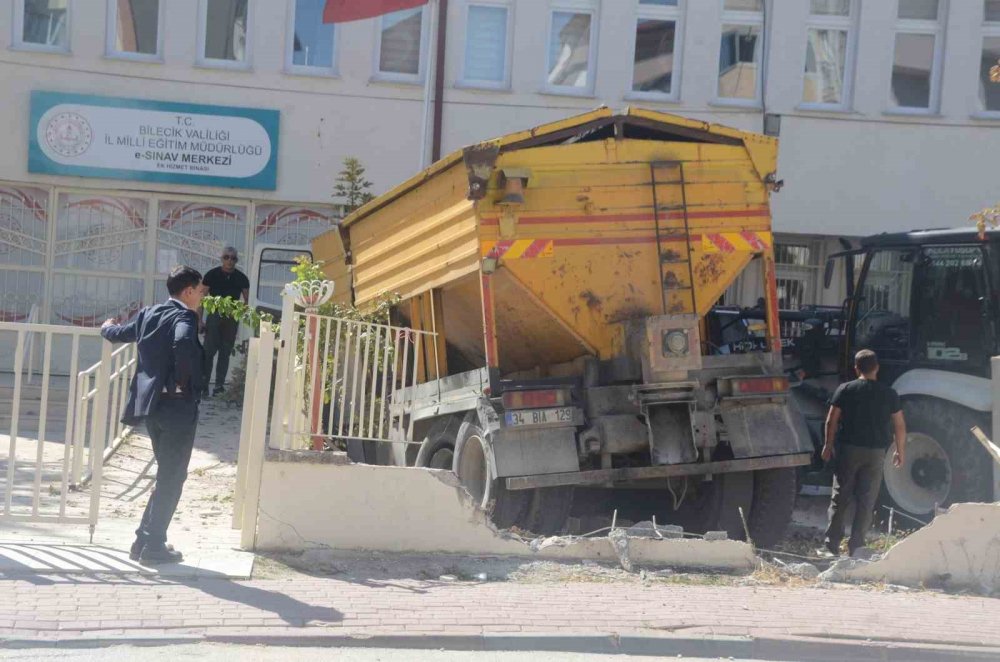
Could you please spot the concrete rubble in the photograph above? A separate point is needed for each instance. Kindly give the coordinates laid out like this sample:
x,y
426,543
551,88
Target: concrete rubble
x,y
957,550
393,509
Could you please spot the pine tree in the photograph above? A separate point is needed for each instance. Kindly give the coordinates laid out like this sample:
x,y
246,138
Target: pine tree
x,y
351,186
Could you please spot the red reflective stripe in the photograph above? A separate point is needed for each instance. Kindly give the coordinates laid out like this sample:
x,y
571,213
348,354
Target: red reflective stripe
x,y
721,243
626,218
535,248
754,241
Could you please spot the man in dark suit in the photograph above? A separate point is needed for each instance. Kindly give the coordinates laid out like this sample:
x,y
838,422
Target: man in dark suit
x,y
164,393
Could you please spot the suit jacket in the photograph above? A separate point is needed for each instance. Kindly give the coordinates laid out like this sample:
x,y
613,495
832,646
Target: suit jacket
x,y
169,356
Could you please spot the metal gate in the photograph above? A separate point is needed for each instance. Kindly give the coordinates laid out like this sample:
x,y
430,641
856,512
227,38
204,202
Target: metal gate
x,y
56,430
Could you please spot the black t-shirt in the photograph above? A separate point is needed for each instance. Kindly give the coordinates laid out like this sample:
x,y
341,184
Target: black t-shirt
x,y
866,413
222,284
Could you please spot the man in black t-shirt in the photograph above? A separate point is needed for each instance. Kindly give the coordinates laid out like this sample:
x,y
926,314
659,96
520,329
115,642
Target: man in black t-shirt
x,y
220,332
864,418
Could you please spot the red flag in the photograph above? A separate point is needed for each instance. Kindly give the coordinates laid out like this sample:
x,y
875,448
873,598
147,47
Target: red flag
x,y
342,11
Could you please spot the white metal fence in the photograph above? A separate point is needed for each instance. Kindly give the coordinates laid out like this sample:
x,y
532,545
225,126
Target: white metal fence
x,y
56,432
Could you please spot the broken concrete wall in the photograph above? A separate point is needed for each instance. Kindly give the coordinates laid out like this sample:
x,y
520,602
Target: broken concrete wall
x,y
960,549
313,499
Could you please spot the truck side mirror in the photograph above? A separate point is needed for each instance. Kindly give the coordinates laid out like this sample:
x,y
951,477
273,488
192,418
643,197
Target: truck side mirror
x,y
828,273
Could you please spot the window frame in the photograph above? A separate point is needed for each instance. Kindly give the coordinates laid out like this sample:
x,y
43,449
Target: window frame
x,y
380,76
743,19
574,7
677,14
472,83
111,30
827,22
246,64
17,42
332,71
937,28
990,30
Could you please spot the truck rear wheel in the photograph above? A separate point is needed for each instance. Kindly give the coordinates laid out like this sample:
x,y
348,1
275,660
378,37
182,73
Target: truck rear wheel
x,y
549,508
944,462
714,505
476,470
774,492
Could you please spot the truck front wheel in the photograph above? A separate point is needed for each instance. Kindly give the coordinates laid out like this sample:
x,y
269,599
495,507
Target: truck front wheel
x,y
475,467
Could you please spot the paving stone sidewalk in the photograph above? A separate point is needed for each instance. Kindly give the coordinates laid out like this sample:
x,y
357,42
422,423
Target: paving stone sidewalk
x,y
72,609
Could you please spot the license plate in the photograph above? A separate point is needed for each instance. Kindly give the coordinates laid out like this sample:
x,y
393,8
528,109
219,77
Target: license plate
x,y
538,416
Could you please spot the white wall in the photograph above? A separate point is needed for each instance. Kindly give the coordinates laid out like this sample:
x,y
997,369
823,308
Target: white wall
x,y
847,173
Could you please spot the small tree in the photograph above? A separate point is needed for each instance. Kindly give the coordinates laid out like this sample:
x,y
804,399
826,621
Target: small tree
x,y
351,185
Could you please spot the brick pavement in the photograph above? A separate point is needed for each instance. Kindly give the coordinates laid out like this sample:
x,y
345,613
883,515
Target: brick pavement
x,y
64,608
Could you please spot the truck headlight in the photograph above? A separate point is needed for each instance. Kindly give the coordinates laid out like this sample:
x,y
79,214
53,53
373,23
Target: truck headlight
x,y
675,343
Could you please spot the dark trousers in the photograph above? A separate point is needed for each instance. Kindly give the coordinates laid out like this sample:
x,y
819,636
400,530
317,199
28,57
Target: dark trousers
x,y
857,480
220,337
171,428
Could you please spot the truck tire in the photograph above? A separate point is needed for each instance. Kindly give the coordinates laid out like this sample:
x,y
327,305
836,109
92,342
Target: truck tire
x,y
475,467
774,492
549,508
944,462
715,505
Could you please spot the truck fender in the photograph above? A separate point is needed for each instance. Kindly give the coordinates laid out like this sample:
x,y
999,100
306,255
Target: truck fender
x,y
972,392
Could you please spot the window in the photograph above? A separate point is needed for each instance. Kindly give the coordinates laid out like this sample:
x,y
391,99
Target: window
x,y
487,46
311,42
796,268
741,52
42,25
572,51
656,53
916,59
134,29
225,33
883,318
989,92
826,84
400,45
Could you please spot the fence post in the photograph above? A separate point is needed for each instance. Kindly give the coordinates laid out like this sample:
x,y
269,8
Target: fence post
x,y
102,400
286,356
253,358
995,423
256,443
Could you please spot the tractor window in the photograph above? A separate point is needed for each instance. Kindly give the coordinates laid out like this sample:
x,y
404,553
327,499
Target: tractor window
x,y
948,307
883,317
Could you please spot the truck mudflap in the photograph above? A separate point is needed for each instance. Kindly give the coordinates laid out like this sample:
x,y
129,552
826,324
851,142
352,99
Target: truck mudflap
x,y
761,429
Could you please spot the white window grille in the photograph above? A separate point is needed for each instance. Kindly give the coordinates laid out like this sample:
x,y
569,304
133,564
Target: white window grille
x,y
311,44
400,53
134,29
572,48
830,35
225,34
42,25
741,52
656,50
488,29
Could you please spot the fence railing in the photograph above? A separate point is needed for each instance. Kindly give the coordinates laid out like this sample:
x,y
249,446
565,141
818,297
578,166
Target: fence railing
x,y
39,449
89,427
342,375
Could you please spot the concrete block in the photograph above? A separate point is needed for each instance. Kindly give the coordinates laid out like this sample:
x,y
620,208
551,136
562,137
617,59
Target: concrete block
x,y
960,549
394,509
716,535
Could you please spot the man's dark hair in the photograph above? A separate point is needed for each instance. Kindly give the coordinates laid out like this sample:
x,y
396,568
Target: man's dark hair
x,y
865,361
181,278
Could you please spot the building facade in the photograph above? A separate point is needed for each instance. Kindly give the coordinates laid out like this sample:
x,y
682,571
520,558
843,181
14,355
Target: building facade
x,y
884,108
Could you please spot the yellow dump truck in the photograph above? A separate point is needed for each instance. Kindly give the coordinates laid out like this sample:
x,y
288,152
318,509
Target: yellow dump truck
x,y
571,275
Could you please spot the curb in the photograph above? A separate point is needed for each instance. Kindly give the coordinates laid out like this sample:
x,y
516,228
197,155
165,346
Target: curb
x,y
713,646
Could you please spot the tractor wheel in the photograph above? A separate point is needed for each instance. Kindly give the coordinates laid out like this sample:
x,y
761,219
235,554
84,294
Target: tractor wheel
x,y
944,462
774,492
476,470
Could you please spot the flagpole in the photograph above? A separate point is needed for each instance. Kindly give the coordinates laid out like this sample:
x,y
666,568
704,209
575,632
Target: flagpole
x,y
429,69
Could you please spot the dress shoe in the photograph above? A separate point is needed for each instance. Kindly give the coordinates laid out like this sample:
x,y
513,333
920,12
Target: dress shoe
x,y
156,556
136,550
